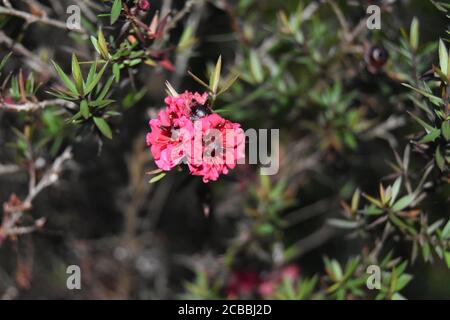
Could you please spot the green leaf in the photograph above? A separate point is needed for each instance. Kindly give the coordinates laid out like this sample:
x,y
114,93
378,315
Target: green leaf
x,y
447,258
91,74
116,71
431,136
440,161
414,34
425,125
105,89
355,200
426,251
215,76
446,130
95,80
5,60
103,126
186,39
84,109
337,270
430,96
29,86
102,45
256,67
115,10
371,211
265,229
157,178
343,224
446,231
77,75
443,57
63,76
396,189
229,83
101,103
373,200
95,44
403,203
402,281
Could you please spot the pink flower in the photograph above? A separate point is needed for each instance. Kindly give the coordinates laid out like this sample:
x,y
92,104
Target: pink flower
x,y
221,147
184,103
169,134
242,284
267,287
144,5
187,130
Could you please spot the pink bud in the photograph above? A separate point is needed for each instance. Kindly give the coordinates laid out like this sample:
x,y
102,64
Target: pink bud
x,y
144,5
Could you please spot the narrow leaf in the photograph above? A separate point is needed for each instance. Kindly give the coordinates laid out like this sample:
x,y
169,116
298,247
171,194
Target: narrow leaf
x,y
215,78
63,76
84,109
256,67
440,161
414,34
446,130
157,178
115,10
77,75
403,202
96,79
229,83
103,46
103,126
443,56
200,81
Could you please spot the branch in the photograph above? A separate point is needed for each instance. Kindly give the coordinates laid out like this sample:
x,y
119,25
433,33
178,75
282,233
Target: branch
x,y
14,209
34,106
34,61
8,168
50,177
30,19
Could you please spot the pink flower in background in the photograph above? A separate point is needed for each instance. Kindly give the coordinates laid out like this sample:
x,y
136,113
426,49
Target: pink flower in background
x,y
267,287
242,284
248,284
187,131
144,5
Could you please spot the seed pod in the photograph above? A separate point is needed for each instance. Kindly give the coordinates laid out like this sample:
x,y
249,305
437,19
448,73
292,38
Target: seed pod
x,y
376,57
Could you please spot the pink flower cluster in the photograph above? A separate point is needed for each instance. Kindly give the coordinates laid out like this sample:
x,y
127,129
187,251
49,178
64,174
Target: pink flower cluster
x,y
187,131
248,284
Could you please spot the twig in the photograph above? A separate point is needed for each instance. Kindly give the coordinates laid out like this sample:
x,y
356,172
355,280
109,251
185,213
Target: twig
x,y
8,168
182,59
51,176
14,209
180,15
34,106
30,19
32,60
313,241
341,19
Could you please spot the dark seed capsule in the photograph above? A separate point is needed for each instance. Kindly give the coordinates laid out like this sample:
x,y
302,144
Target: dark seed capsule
x,y
376,57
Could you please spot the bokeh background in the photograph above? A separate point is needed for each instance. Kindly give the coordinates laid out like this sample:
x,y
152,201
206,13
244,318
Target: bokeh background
x,y
342,117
